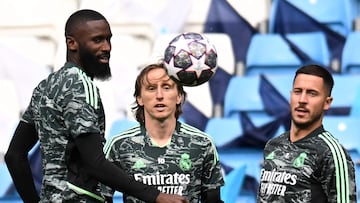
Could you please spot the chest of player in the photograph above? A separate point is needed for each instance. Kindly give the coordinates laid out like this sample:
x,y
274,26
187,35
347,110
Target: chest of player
x,y
172,159
290,165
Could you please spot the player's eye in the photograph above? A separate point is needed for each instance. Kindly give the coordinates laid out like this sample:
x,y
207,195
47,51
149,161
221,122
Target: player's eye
x,y
97,39
150,88
313,93
297,91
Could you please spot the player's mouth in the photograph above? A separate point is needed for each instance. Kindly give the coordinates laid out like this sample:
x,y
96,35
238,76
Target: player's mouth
x,y
301,111
105,58
160,107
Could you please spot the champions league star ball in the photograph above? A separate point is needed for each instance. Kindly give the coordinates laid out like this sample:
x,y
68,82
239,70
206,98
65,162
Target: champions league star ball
x,y
190,59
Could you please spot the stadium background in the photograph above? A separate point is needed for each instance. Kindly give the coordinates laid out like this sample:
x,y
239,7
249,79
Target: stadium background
x,y
241,107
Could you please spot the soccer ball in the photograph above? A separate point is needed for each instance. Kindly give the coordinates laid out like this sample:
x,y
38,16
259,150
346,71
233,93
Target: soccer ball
x,y
190,59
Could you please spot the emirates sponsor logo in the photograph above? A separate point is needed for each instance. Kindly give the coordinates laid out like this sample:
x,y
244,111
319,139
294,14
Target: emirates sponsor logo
x,y
275,182
167,183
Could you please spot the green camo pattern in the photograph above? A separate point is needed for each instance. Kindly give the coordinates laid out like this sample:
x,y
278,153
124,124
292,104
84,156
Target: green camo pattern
x,y
187,165
63,106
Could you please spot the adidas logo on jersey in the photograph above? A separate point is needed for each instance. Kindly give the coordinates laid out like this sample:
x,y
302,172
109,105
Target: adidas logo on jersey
x,y
139,164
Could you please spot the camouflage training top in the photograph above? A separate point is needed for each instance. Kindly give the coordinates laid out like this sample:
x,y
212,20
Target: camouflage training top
x,y
63,106
186,166
314,169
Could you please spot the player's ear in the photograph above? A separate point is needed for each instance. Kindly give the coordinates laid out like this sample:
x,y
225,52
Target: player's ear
x,y
327,103
139,101
71,43
179,98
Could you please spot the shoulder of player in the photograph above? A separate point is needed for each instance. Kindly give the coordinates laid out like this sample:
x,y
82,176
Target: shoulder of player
x,y
284,137
327,143
67,76
118,138
193,131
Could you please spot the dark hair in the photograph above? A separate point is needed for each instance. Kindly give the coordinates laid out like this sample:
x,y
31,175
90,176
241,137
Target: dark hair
x,y
138,109
79,17
317,70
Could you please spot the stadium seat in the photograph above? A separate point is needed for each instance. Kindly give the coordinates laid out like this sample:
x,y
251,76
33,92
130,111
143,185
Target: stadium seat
x,y
223,130
283,83
233,183
336,14
313,44
344,93
118,197
350,56
345,129
251,157
355,108
269,53
272,54
242,95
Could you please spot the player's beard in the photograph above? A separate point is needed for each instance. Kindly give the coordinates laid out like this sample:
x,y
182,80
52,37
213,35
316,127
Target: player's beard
x,y
309,123
93,67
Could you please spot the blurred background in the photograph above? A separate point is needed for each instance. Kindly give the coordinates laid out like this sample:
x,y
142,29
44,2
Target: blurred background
x,y
260,43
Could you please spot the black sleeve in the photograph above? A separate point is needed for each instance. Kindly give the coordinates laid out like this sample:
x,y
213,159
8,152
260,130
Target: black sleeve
x,y
211,196
91,152
16,158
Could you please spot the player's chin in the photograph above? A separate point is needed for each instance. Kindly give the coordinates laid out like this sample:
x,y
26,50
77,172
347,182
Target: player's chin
x,y
162,114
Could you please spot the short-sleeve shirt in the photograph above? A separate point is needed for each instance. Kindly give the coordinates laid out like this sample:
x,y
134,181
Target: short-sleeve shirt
x,y
187,166
63,106
314,169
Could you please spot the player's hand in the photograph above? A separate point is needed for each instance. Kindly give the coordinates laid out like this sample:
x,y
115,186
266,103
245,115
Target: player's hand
x,y
167,198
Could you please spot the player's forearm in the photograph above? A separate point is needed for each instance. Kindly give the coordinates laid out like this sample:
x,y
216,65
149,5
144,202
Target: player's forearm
x,y
22,177
116,178
16,159
108,173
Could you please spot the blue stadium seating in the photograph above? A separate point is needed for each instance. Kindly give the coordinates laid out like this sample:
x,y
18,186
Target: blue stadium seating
x,y
223,130
250,157
118,197
336,14
276,54
287,18
233,183
269,53
345,129
355,108
312,44
351,56
242,95
344,92
283,83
